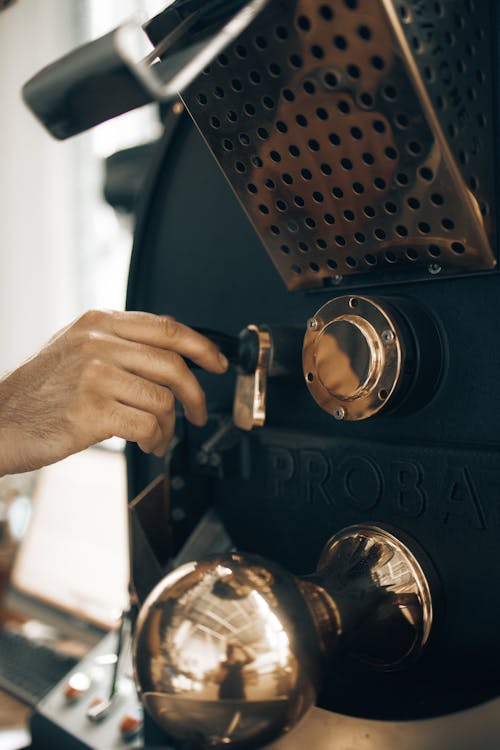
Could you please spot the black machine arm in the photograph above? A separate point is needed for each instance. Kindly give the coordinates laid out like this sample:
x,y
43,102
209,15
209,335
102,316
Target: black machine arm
x,y
122,71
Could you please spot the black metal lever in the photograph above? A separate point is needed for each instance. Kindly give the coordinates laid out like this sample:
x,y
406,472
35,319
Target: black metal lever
x,y
113,74
242,351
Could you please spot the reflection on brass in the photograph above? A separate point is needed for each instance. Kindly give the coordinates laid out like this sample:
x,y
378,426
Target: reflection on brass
x,y
249,409
356,136
232,650
352,357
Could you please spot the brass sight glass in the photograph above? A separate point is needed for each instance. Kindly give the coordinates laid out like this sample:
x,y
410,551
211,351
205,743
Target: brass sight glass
x,y
363,356
232,650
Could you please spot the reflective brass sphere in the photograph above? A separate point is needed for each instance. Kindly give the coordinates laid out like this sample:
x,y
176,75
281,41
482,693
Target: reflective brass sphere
x,y
232,650
219,656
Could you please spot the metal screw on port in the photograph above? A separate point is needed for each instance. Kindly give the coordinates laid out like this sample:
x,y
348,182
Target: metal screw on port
x,y
312,324
339,413
387,336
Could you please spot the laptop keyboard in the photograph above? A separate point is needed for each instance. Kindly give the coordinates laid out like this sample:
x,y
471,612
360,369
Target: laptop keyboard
x,y
28,669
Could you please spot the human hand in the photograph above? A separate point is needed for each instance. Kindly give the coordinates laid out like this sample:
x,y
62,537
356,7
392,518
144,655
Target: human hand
x,y
103,375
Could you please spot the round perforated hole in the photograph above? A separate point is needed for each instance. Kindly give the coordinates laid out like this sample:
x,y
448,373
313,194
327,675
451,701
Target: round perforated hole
x,y
340,42
281,33
364,32
304,23
426,173
254,77
330,80
377,62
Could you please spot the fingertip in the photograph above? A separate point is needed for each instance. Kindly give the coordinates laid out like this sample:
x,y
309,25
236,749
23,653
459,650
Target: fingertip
x,y
197,420
223,362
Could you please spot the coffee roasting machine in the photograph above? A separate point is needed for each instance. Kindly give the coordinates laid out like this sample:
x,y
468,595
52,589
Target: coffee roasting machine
x,y
322,204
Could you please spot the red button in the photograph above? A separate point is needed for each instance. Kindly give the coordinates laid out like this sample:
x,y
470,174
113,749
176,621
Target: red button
x,y
130,726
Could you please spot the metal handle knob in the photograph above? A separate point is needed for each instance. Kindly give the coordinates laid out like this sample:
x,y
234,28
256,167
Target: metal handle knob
x,y
232,650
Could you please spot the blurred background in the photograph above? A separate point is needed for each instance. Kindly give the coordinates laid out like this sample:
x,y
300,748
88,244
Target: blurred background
x,y
63,249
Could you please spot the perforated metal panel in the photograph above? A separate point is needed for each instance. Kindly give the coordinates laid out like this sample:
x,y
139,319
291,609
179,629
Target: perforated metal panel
x,y
358,136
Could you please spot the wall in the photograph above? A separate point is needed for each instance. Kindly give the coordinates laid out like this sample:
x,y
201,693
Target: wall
x,y
37,228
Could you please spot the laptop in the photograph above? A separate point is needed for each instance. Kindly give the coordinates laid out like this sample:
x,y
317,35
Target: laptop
x,y
69,582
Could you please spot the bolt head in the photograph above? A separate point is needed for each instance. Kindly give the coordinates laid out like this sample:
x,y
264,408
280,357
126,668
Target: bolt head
x,y
339,413
312,324
387,336
434,268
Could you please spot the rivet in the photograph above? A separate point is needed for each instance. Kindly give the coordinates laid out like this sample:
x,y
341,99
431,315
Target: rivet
x,y
312,324
387,336
339,413
434,268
